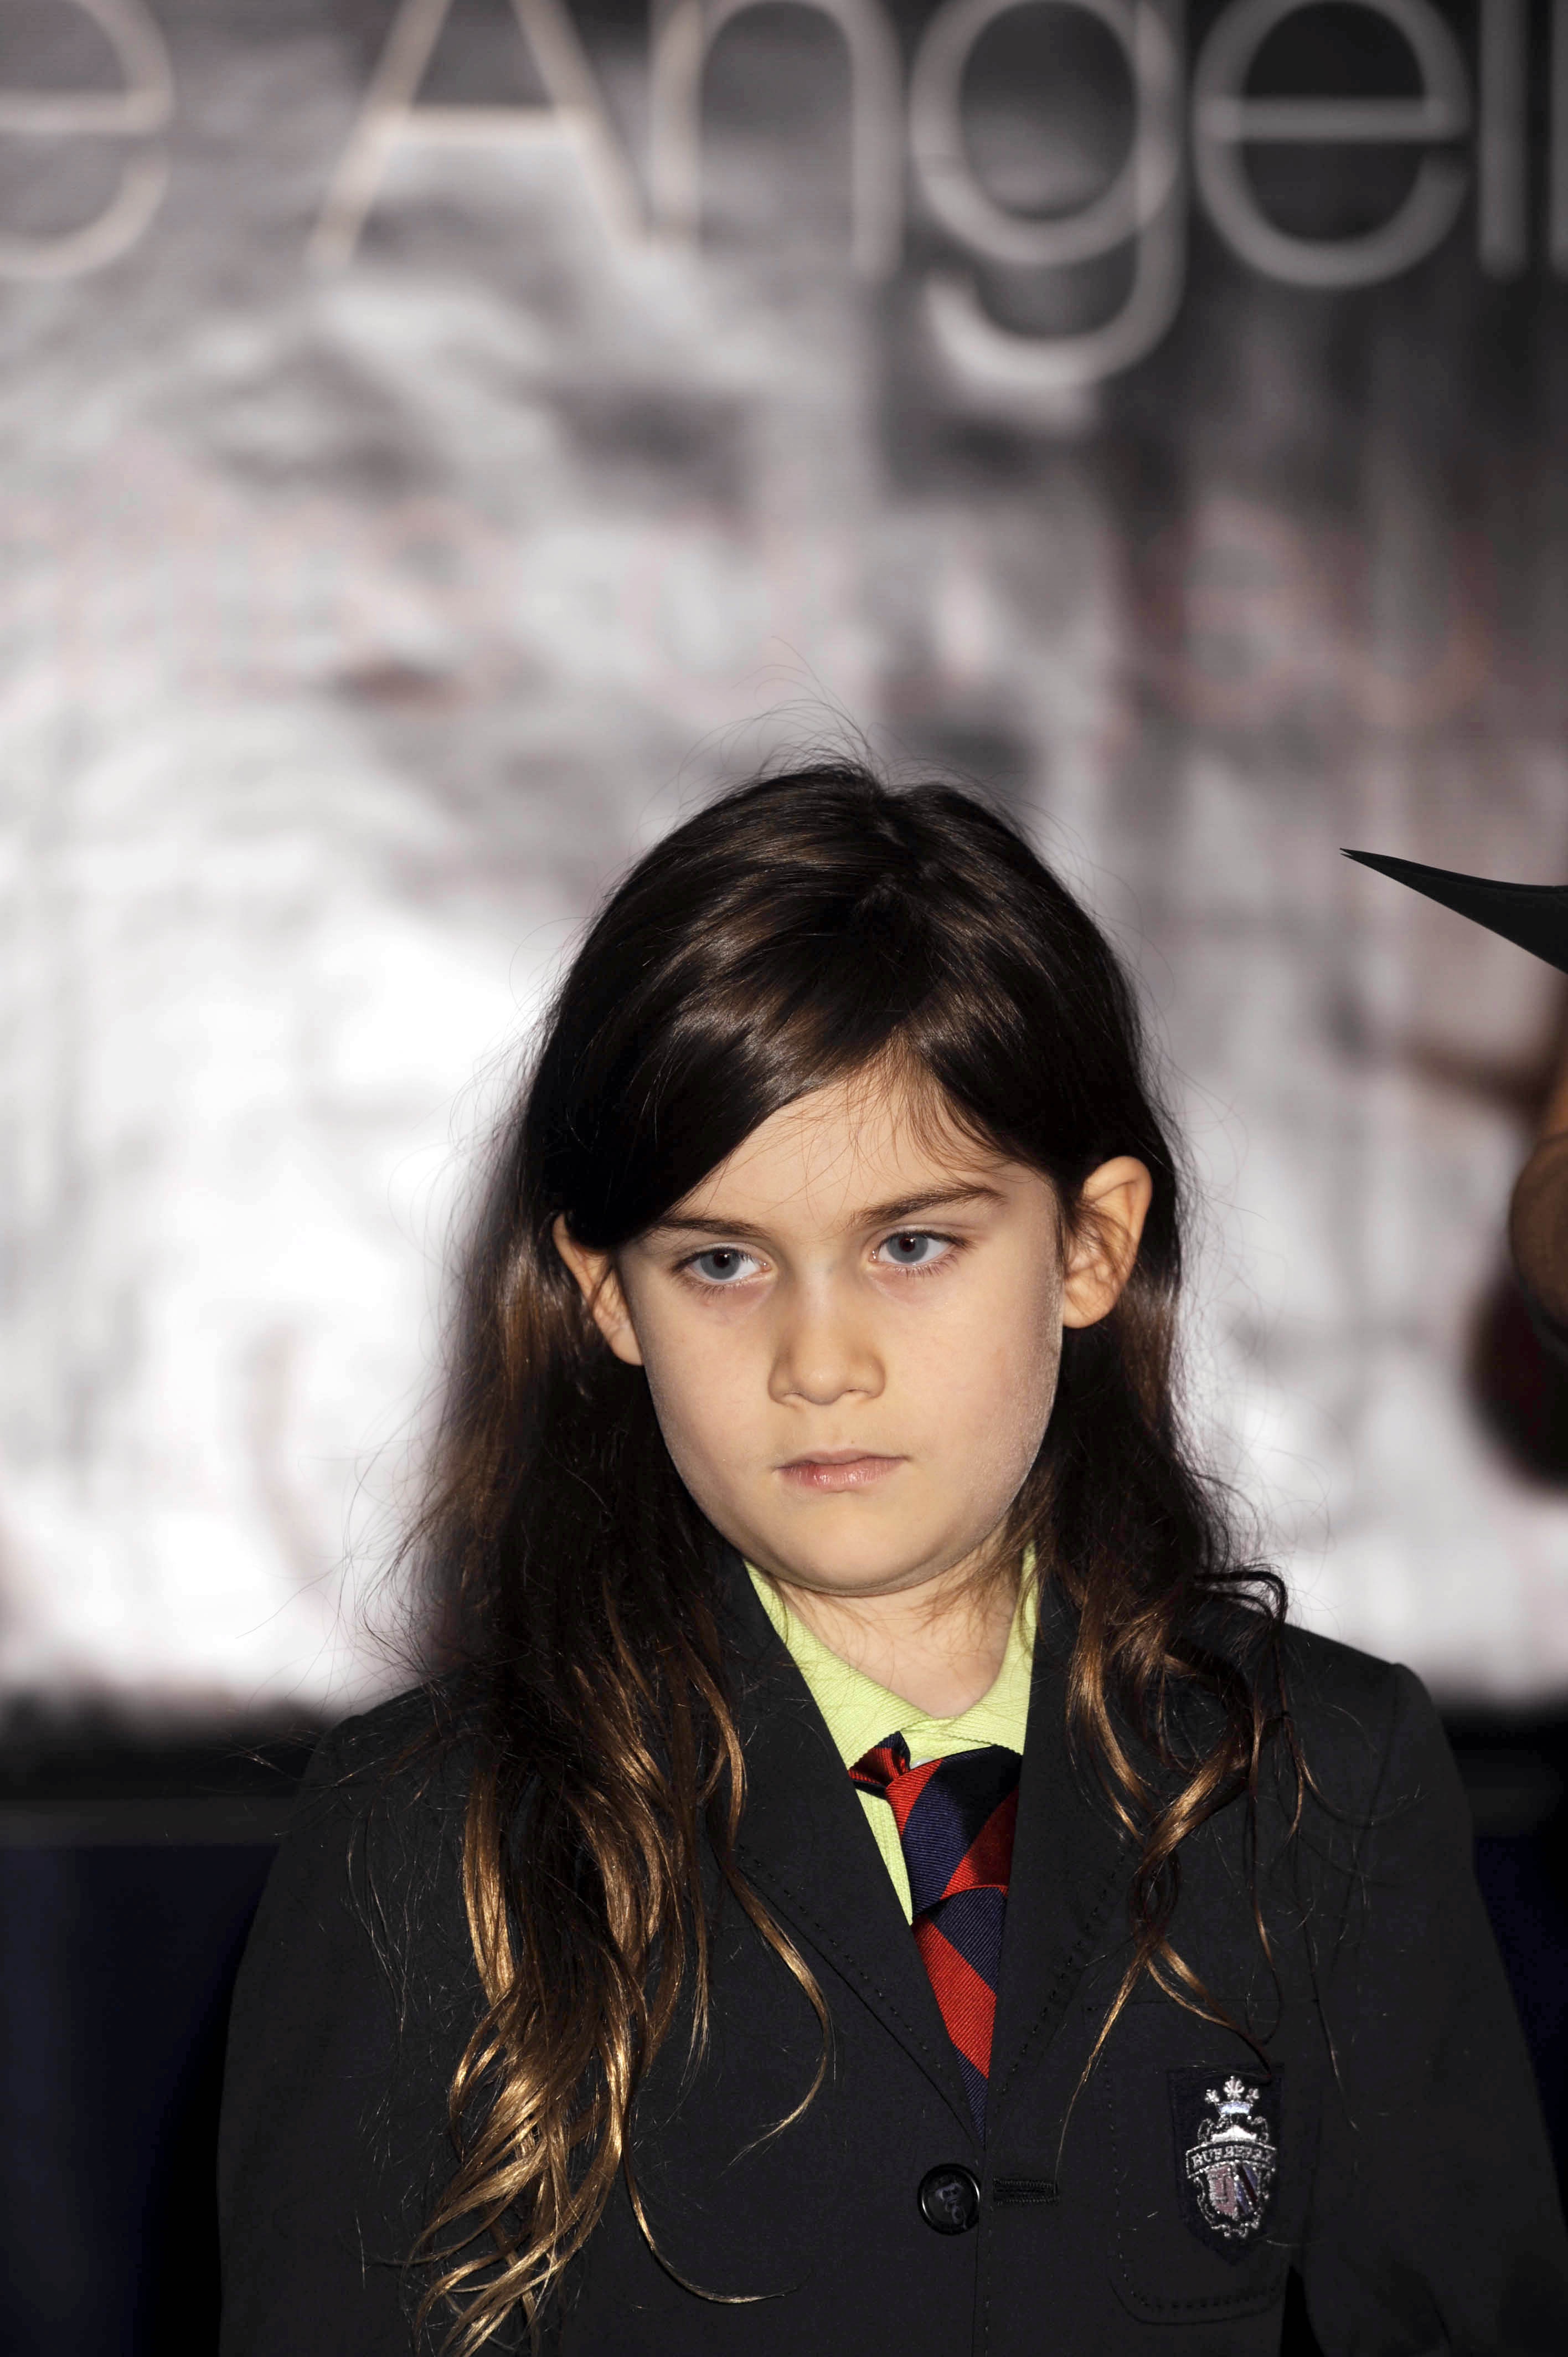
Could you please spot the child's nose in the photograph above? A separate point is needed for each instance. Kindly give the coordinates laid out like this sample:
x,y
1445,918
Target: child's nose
x,y
824,1352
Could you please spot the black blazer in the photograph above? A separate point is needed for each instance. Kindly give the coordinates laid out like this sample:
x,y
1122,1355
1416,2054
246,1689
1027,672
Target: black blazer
x,y
1394,2131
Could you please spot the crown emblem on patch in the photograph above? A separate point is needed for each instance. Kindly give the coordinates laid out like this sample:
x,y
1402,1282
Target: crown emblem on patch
x,y
1227,2156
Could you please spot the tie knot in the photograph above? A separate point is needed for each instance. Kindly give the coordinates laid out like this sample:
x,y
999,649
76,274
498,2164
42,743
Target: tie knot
x,y
954,1815
876,1769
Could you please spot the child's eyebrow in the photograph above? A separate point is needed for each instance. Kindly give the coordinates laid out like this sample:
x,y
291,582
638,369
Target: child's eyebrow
x,y
874,1215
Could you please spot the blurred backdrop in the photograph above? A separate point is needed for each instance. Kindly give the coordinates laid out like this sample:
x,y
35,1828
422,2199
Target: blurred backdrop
x,y
442,439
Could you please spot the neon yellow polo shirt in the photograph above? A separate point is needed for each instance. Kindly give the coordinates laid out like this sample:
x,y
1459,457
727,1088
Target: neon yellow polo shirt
x,y
860,1713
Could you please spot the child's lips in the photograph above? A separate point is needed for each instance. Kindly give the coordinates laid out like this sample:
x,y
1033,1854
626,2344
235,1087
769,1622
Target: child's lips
x,y
839,1469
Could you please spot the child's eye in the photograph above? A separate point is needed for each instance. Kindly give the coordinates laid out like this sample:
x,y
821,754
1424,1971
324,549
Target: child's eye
x,y
722,1265
914,1248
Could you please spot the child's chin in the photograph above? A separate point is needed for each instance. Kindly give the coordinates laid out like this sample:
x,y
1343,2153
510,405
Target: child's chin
x,y
855,1570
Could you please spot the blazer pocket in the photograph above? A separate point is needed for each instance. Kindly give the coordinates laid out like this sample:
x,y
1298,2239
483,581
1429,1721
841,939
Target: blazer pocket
x,y
1209,2182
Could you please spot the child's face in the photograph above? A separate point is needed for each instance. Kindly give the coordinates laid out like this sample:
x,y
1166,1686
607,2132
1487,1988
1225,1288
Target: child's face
x,y
852,1331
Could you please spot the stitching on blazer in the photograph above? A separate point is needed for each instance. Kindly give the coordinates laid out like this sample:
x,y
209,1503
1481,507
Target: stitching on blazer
x,y
826,1940
1071,1969
1217,2301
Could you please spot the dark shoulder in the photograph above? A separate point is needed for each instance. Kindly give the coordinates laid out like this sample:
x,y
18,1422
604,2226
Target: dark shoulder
x,y
1368,1732
390,1785
366,1895
395,1738
1336,1687
355,2001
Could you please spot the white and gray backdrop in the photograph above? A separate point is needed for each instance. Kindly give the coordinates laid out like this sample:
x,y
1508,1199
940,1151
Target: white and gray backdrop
x,y
439,442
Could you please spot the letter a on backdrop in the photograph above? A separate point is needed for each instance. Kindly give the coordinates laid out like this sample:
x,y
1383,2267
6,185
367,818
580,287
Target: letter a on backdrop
x,y
574,117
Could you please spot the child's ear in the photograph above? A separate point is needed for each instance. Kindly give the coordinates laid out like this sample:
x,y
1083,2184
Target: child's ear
x,y
1108,1223
596,1275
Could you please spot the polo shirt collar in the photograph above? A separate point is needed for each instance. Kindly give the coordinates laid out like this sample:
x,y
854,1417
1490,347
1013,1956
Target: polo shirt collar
x,y
859,1712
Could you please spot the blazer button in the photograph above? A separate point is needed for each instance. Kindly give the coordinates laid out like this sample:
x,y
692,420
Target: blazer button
x,y
950,2198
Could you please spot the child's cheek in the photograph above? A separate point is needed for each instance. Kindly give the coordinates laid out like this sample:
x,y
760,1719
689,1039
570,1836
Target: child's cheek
x,y
992,1371
708,1392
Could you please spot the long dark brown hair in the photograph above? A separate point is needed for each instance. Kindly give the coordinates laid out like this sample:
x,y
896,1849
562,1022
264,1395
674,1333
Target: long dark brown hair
x,y
803,927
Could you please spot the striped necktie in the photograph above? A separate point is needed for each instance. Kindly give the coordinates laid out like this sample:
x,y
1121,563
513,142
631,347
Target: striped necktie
x,y
955,1820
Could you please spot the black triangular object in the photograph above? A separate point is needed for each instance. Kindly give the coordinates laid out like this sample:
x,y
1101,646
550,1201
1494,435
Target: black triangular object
x,y
1534,916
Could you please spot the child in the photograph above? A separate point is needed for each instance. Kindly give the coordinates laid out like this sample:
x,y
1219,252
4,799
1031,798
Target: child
x,y
875,1872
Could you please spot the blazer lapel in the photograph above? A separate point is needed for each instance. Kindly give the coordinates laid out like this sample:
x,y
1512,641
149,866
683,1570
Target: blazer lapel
x,y
1071,1863
805,1844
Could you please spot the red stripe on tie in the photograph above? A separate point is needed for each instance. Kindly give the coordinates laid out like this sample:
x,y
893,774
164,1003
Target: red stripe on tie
x,y
968,2005
988,1861
904,1791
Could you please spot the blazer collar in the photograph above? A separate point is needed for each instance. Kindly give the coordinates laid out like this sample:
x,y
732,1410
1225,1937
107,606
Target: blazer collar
x,y
1072,1861
805,1844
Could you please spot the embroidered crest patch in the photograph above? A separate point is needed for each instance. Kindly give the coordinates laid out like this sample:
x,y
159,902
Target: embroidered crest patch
x,y
1227,2156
